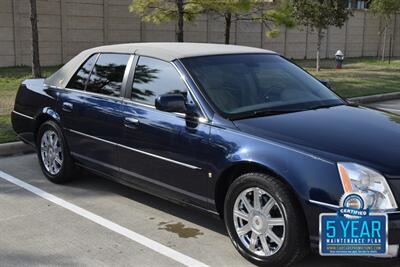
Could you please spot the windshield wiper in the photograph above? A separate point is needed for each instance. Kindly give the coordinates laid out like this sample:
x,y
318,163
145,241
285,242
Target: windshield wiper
x,y
266,112
326,106
269,112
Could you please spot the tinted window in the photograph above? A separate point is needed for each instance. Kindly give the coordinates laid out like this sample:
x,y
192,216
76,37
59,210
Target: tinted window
x,y
107,74
155,77
239,84
78,81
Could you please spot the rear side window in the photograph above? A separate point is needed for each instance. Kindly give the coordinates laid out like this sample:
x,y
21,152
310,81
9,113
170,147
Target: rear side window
x,y
78,81
107,75
155,77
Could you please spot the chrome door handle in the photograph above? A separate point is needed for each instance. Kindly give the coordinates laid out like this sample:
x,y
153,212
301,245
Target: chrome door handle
x,y
68,107
131,122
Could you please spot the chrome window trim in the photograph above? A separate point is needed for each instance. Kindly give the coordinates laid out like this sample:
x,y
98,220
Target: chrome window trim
x,y
136,150
176,114
127,100
76,71
23,115
126,75
91,71
123,84
94,94
194,82
202,119
190,89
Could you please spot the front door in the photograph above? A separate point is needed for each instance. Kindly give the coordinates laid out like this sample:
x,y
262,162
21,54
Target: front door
x,y
160,149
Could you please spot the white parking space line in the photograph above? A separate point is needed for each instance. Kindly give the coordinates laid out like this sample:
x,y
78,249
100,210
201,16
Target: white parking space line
x,y
149,243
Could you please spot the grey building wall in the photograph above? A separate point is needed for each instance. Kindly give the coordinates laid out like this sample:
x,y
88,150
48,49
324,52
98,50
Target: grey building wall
x,y
67,27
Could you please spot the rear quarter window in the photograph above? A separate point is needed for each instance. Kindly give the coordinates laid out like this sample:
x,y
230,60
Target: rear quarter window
x,y
78,81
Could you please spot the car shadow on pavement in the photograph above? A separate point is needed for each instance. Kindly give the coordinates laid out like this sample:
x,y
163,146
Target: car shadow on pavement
x,y
90,182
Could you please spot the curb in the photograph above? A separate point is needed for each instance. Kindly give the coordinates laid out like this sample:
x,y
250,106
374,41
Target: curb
x,y
13,148
375,98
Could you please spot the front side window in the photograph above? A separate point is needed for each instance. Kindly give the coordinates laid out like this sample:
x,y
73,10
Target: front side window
x,y
249,84
107,75
155,77
78,81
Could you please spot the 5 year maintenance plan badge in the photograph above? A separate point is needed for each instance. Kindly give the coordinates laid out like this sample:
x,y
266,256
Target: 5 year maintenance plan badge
x,y
353,230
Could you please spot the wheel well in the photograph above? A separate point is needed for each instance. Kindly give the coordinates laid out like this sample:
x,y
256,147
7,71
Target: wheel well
x,y
39,121
233,172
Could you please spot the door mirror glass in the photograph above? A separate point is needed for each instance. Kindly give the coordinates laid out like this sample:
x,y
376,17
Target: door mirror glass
x,y
171,103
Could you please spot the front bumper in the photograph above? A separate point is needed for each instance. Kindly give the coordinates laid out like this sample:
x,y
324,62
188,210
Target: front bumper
x,y
393,235
394,228
393,252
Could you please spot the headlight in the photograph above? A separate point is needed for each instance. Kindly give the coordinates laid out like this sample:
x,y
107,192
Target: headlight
x,y
359,179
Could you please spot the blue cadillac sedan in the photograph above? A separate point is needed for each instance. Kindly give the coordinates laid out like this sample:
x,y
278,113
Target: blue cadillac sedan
x,y
236,131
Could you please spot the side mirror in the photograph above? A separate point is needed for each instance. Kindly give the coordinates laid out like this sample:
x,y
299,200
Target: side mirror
x,y
171,103
326,83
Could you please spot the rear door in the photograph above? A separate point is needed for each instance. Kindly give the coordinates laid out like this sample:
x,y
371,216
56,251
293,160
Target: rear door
x,y
90,109
163,150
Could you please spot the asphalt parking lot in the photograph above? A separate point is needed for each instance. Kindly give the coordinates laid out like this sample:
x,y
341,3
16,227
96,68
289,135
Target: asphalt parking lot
x,y
96,222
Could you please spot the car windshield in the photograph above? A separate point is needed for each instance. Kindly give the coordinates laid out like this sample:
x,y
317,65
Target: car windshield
x,y
246,85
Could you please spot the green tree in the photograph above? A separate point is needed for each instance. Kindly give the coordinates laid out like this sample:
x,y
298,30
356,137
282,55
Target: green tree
x,y
319,15
229,9
157,11
385,8
276,15
271,15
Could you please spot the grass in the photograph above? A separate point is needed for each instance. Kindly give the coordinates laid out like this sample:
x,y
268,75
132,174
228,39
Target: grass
x,y
7,134
10,78
359,77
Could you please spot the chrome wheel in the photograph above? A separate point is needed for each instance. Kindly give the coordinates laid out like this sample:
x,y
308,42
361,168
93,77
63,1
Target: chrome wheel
x,y
51,152
259,221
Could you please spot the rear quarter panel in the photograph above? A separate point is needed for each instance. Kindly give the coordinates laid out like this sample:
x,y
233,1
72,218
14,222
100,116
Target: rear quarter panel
x,y
34,101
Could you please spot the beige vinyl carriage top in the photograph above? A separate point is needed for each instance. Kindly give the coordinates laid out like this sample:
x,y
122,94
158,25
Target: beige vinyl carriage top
x,y
163,51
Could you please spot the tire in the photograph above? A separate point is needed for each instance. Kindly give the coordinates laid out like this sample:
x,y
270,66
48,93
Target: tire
x,y
59,168
288,242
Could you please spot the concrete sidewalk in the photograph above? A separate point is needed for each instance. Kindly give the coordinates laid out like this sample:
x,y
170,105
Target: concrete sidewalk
x,y
392,106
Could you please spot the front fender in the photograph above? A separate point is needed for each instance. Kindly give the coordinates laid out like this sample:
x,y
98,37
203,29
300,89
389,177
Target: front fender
x,y
309,176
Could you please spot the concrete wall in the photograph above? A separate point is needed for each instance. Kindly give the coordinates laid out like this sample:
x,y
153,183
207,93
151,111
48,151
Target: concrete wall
x,y
67,27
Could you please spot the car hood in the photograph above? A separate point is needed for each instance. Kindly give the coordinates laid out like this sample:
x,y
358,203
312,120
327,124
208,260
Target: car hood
x,y
341,133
